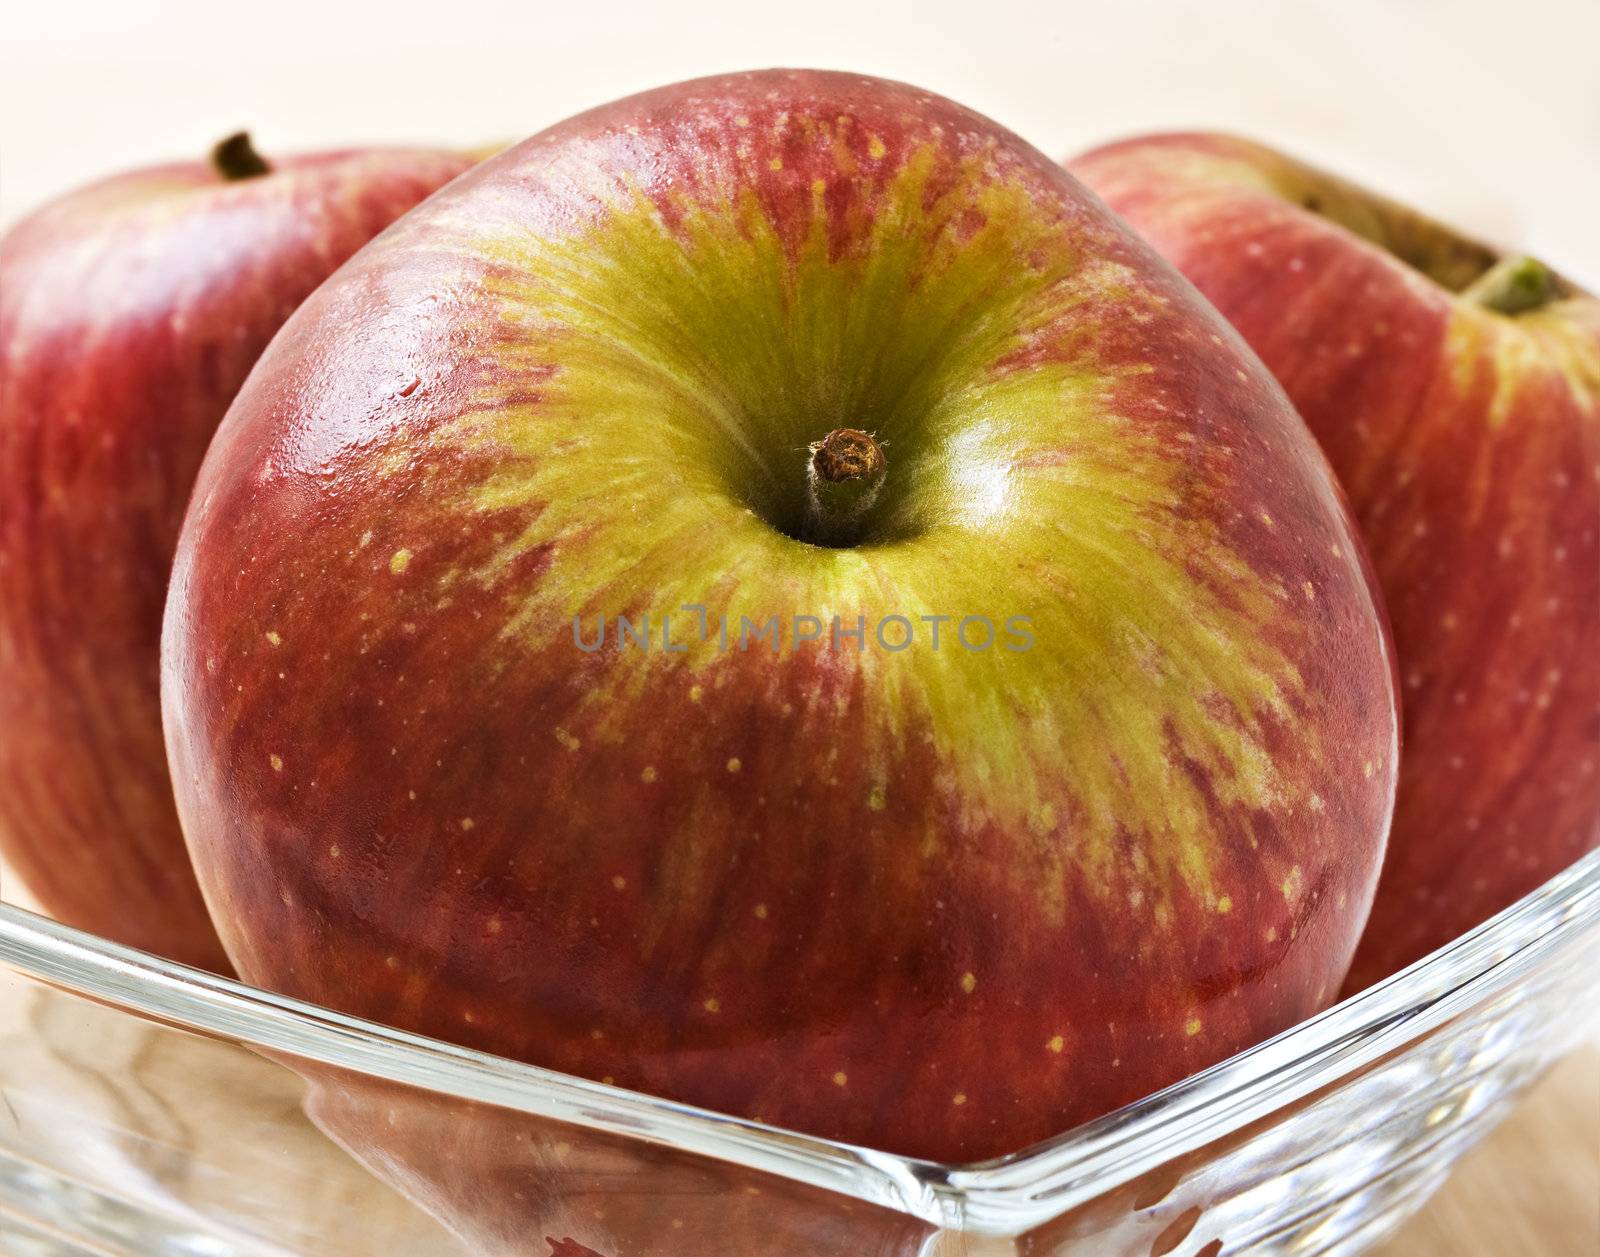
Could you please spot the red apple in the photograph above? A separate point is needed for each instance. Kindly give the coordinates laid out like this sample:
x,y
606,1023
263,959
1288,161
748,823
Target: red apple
x,y
1458,396
784,346
130,313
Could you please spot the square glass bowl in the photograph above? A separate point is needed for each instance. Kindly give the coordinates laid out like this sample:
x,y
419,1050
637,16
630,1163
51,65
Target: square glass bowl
x,y
149,1108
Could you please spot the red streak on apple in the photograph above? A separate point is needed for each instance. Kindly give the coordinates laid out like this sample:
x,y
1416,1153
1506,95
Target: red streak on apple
x,y
130,313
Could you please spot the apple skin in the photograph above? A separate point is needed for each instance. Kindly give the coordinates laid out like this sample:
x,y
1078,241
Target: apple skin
x,y
941,902
1469,444
130,313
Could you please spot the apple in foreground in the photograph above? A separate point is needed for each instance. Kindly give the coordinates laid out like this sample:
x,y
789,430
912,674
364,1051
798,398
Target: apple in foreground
x,y
1457,394
833,361
130,313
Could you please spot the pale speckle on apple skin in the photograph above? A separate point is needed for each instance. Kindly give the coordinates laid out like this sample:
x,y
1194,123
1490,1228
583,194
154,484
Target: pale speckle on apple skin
x,y
1192,1027
1057,1044
969,982
277,763
619,882
274,638
399,561
840,1078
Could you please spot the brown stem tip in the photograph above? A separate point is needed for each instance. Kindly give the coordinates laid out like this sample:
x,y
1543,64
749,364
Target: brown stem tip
x,y
235,158
848,454
844,472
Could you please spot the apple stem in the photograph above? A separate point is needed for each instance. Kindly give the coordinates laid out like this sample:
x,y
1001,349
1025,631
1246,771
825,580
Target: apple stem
x,y
844,472
235,158
1514,285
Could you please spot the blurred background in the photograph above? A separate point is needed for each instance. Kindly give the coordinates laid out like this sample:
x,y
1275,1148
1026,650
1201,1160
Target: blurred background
x,y
1484,112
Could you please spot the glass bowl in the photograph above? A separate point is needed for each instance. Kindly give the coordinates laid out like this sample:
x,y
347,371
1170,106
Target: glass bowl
x,y
150,1108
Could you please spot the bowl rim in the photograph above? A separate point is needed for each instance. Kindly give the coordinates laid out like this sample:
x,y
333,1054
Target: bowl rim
x,y
1007,1195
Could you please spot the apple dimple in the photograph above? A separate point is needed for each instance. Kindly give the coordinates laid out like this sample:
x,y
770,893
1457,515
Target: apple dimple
x,y
1509,284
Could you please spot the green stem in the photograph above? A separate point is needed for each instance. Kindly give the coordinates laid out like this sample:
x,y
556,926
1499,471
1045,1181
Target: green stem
x,y
844,472
235,158
1514,285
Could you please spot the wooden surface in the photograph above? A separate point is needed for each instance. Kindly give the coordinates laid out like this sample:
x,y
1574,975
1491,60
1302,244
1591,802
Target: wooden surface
x,y
1532,1189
